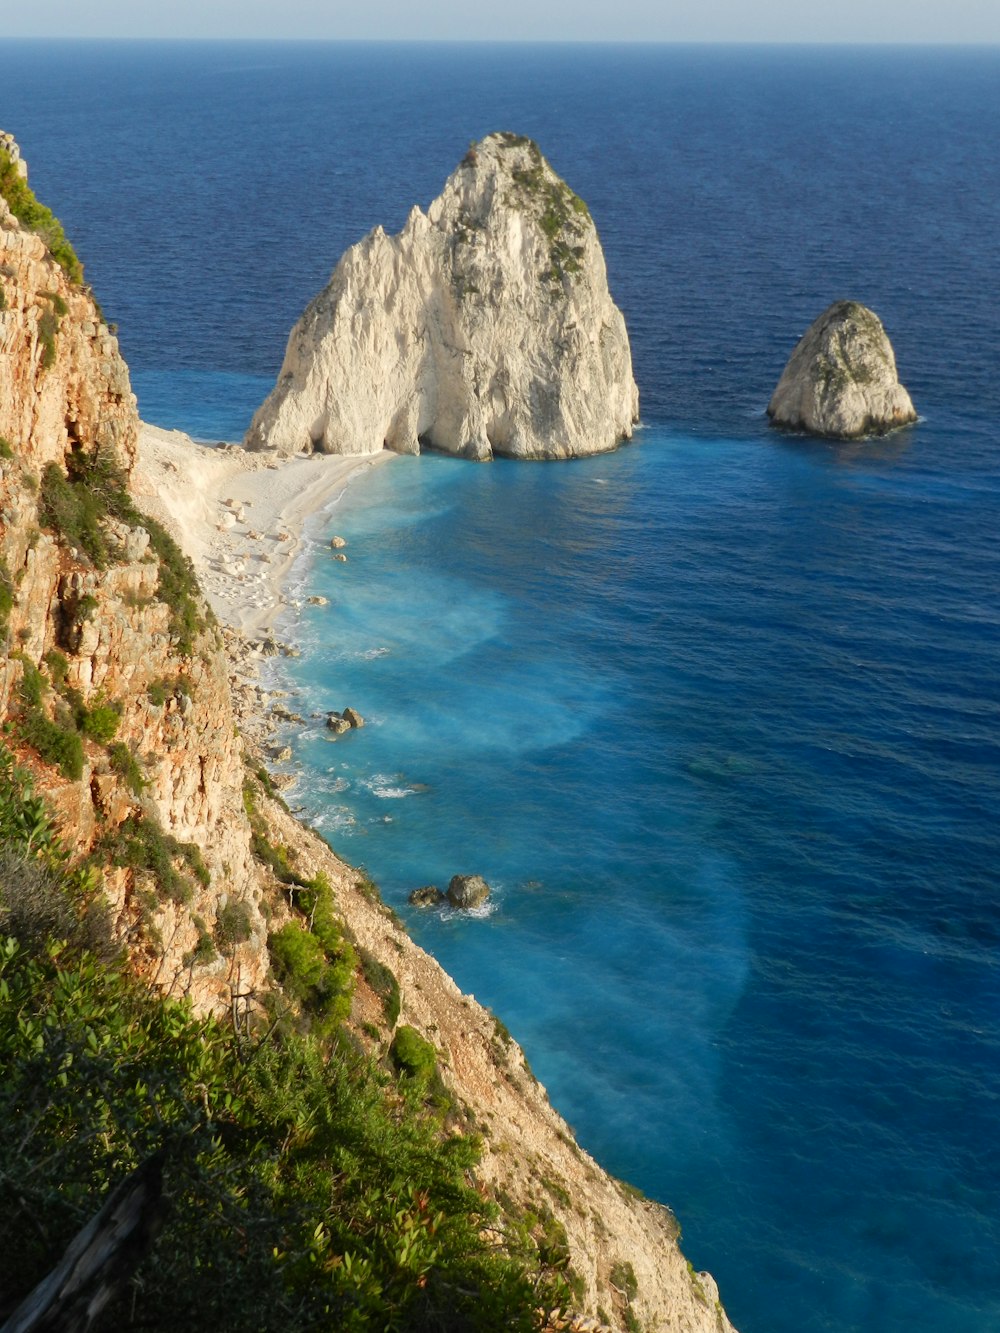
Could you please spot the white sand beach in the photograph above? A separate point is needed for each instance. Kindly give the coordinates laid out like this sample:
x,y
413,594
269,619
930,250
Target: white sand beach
x,y
238,515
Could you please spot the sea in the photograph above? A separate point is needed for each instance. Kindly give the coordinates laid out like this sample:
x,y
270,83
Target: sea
x,y
716,715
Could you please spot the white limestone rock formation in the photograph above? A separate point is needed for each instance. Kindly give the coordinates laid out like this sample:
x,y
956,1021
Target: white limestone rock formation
x,y
841,379
485,327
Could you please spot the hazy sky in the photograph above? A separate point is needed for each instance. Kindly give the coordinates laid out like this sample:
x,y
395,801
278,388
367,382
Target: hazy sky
x,y
516,20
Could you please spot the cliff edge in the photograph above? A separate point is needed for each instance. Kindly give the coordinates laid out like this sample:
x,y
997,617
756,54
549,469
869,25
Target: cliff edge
x,y
841,381
485,327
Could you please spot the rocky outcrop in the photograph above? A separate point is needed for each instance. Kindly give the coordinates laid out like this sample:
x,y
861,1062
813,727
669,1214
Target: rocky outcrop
x,y
468,891
485,327
841,379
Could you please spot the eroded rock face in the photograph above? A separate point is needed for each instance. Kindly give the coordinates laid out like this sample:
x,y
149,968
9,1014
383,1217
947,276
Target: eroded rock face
x,y
64,396
841,379
485,327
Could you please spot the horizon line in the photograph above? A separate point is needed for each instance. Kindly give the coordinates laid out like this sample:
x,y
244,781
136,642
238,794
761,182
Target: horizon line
x,y
815,42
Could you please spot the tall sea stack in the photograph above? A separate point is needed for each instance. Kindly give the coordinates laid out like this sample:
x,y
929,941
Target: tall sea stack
x,y
485,327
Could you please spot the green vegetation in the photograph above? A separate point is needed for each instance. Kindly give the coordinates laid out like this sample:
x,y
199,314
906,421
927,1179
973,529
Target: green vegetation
x,y
562,214
321,980
100,722
298,1182
6,596
57,741
383,982
159,691
76,504
413,1056
22,203
6,448
204,950
140,844
233,925
126,765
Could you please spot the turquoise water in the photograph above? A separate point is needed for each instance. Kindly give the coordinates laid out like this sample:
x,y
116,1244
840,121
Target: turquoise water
x,y
718,715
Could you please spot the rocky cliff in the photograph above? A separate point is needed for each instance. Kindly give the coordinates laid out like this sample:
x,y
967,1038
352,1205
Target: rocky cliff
x,y
115,694
485,327
841,379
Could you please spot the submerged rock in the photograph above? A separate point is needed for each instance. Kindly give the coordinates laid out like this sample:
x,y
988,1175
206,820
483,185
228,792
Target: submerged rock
x,y
841,379
468,891
485,327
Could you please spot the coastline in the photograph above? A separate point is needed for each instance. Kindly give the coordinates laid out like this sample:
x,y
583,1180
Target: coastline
x,y
608,1233
239,516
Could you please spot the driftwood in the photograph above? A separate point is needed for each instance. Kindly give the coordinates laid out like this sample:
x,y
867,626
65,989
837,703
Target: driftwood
x,y
99,1260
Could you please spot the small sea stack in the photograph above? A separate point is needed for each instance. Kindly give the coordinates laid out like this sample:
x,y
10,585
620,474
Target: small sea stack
x,y
840,381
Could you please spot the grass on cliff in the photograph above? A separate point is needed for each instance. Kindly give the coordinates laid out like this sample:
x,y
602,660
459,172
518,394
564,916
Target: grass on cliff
x,y
36,217
303,1191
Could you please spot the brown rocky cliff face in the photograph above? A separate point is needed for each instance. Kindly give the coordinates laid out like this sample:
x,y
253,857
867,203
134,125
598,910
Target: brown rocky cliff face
x,y
64,391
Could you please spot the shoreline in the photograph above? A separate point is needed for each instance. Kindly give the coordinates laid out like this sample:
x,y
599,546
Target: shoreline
x,y
239,516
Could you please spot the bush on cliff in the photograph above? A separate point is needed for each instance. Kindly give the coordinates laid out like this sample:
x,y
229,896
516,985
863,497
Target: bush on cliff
x,y
42,221
302,1193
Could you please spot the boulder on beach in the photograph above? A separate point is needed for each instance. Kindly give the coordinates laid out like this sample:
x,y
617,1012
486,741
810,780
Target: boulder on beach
x,y
840,381
468,891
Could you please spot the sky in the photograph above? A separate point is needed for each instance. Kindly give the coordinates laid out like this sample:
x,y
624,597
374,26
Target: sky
x,y
975,21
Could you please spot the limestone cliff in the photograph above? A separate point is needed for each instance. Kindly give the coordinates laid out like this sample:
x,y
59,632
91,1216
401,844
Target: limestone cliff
x,y
485,327
841,379
115,692
111,670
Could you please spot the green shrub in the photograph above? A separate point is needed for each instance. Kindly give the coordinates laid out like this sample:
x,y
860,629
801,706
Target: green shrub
x,y
75,504
74,513
58,665
101,722
126,765
204,951
6,448
233,925
35,906
385,985
323,987
140,844
6,595
59,306
412,1055
22,203
32,687
55,744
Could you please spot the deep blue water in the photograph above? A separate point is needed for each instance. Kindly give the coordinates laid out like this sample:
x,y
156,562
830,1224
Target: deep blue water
x,y
719,714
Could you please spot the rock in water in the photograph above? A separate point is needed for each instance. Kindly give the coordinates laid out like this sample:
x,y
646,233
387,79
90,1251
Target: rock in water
x,y
468,891
841,379
485,327
428,896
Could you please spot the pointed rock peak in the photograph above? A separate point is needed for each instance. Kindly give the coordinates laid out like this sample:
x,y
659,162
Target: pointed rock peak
x,y
485,327
841,380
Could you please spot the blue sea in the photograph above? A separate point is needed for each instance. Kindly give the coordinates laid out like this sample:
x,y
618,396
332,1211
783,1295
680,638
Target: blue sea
x,y
718,715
